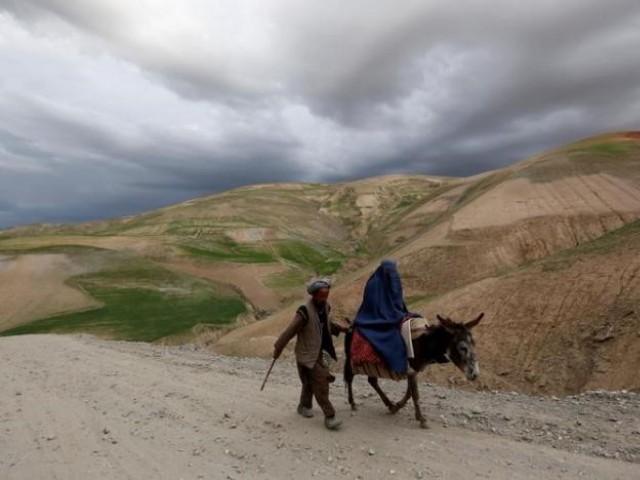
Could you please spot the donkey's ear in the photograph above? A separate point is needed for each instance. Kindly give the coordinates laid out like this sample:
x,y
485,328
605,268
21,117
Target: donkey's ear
x,y
446,323
475,322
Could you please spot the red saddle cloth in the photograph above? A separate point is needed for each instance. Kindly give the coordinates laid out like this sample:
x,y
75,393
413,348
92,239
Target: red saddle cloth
x,y
362,352
366,361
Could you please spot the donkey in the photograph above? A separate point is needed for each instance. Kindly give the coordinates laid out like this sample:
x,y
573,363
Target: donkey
x,y
441,343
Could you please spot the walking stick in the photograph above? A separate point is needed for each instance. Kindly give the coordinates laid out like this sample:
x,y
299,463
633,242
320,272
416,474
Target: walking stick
x,y
268,373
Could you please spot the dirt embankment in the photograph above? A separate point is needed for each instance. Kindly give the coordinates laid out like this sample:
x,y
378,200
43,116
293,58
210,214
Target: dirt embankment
x,y
247,278
33,287
77,407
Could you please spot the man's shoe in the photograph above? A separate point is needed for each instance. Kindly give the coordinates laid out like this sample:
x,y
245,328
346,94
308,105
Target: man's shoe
x,y
332,423
305,412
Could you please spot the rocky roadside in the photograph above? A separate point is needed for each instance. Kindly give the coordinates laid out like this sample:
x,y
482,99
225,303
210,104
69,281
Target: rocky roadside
x,y
598,423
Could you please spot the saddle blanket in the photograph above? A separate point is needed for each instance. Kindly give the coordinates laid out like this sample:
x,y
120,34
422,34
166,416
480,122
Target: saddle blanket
x,y
366,361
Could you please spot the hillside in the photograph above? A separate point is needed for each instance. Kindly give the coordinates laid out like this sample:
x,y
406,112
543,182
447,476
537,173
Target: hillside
x,y
263,240
546,247
489,228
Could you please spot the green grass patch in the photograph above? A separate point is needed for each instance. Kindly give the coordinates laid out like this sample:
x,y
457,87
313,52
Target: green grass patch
x,y
628,235
177,227
225,249
614,158
319,259
344,203
139,314
609,148
406,201
67,249
141,301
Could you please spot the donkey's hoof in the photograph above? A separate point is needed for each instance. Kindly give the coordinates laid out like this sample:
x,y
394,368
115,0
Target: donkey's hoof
x,y
354,407
424,424
395,408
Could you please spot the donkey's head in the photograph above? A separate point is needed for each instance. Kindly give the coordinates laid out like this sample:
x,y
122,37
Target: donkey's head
x,y
461,349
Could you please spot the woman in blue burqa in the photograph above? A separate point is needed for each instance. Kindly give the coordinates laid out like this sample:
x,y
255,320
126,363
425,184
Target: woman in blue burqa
x,y
380,316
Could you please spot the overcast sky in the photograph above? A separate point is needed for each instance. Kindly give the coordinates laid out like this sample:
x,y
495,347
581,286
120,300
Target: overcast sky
x,y
112,107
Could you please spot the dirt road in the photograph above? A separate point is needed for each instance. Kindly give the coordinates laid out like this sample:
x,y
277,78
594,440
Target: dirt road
x,y
77,407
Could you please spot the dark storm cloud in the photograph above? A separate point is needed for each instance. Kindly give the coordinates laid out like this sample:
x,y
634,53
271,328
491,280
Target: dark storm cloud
x,y
111,107
97,168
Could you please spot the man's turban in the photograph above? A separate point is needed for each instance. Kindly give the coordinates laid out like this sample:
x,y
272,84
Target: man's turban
x,y
318,284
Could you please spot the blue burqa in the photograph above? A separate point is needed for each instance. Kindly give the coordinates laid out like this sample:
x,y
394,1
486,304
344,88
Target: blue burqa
x,y
380,316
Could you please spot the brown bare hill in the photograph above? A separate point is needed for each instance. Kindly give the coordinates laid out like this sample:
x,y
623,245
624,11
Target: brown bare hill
x,y
568,323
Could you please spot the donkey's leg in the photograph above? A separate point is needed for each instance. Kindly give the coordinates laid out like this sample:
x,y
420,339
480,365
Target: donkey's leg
x,y
348,379
416,401
352,402
373,381
398,406
348,367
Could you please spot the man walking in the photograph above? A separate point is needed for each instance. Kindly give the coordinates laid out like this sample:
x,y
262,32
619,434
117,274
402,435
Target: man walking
x,y
313,327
